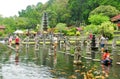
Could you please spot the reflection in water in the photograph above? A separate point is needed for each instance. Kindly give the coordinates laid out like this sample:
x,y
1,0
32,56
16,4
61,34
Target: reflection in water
x,y
61,67
77,69
23,70
17,58
106,70
14,68
27,56
55,60
11,71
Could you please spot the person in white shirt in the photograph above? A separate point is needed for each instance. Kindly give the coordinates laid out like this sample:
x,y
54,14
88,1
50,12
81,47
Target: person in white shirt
x,y
102,42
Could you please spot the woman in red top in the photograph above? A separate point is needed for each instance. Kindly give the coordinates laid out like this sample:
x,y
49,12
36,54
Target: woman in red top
x,y
106,62
90,36
106,55
106,58
17,41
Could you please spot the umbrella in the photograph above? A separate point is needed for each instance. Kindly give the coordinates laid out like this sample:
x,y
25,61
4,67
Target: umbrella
x,y
18,32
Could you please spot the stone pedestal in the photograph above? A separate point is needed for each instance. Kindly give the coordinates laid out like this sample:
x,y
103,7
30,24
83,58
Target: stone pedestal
x,y
116,47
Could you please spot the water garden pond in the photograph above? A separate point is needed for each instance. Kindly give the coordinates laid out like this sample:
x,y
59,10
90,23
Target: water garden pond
x,y
40,64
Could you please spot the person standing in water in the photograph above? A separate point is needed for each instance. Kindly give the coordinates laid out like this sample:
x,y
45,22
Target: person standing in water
x,y
17,42
106,62
10,41
102,43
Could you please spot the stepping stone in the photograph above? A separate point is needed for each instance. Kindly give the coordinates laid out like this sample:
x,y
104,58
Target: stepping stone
x,y
96,60
72,54
88,58
11,47
68,53
118,54
34,58
26,58
51,53
77,62
36,49
88,53
118,63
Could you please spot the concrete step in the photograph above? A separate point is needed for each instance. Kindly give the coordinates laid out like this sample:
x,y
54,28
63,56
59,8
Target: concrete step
x,y
98,60
89,58
118,63
88,53
117,32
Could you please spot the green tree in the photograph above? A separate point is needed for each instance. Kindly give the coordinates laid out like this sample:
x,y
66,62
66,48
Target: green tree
x,y
107,29
33,15
80,9
22,23
91,28
58,12
61,26
111,2
52,15
98,19
10,24
106,10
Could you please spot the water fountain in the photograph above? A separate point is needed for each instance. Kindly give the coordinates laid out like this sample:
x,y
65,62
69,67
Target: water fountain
x,y
37,46
66,45
88,49
77,53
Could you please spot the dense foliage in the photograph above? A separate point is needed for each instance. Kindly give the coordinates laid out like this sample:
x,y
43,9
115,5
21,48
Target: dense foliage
x,y
98,19
69,12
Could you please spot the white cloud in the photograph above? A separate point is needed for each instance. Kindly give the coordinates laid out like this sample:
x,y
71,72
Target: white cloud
x,y
11,7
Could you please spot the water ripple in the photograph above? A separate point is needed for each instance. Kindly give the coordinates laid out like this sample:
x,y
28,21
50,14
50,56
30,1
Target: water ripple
x,y
12,71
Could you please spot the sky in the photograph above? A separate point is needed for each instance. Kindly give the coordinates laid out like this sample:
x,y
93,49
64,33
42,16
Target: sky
x,y
11,7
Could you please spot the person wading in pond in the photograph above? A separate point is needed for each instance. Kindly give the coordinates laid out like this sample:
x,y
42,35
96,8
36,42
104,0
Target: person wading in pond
x,y
102,43
106,62
10,41
17,42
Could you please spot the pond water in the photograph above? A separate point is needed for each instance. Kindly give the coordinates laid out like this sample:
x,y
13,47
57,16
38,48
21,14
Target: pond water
x,y
22,71
40,65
